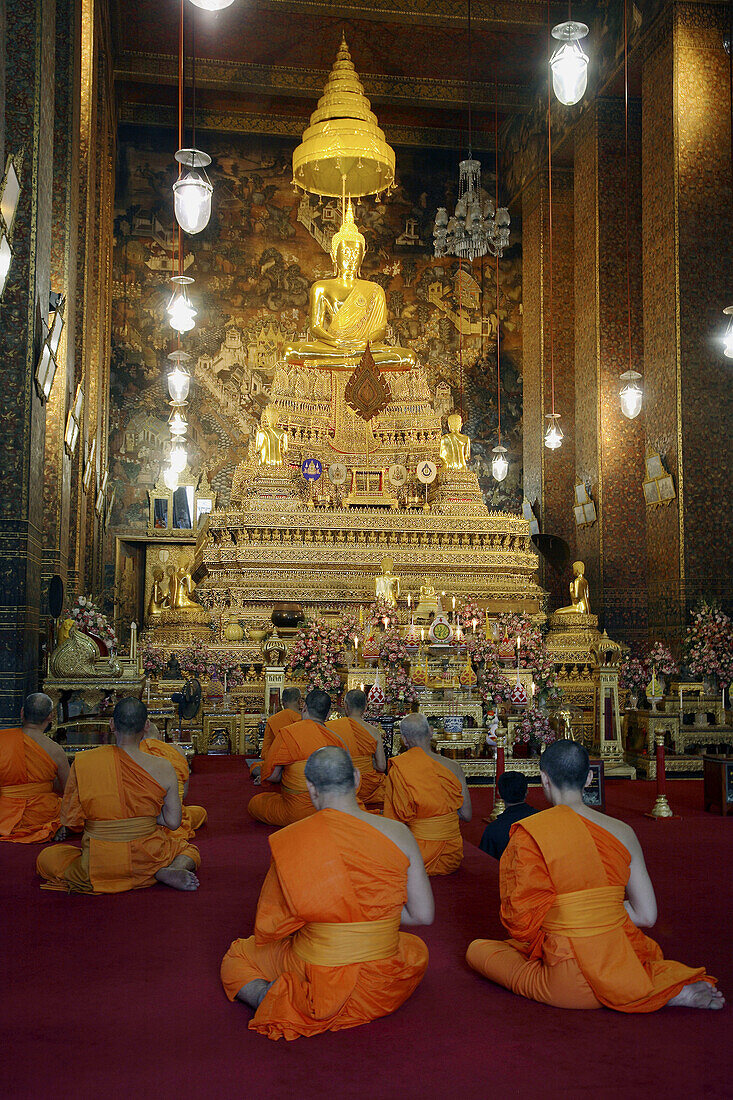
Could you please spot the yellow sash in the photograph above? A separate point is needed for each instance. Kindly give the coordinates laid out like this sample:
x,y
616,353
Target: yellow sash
x,y
26,790
441,827
326,944
584,913
294,777
126,829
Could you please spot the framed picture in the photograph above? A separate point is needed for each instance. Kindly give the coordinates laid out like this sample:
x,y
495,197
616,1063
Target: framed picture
x,y
666,488
579,519
581,493
589,512
595,793
651,492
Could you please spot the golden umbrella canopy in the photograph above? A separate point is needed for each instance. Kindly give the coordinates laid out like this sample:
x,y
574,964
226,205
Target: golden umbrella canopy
x,y
343,149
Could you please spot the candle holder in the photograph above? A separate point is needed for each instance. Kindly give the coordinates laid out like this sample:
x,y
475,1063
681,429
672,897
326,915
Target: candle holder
x,y
499,805
661,809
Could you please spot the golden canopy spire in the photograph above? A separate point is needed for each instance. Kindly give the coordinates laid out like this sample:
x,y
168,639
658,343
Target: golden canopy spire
x,y
343,148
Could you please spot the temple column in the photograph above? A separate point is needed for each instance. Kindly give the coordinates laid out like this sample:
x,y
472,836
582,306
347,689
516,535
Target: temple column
x,y
687,261
549,475
609,448
29,109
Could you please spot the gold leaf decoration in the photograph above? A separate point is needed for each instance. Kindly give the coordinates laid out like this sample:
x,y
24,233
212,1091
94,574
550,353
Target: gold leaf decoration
x,y
367,392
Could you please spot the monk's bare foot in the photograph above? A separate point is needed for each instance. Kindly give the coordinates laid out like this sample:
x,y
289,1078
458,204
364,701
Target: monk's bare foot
x,y
178,878
698,995
61,833
254,992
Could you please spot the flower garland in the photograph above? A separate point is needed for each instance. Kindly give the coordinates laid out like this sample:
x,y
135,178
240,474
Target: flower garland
x,y
533,653
88,617
709,643
535,728
317,651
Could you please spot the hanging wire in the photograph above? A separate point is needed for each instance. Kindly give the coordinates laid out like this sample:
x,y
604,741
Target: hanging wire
x,y
460,330
549,184
180,130
626,176
470,80
496,177
193,79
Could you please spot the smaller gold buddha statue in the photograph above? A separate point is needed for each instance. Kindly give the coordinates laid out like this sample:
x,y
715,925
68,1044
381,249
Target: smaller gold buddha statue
x,y
455,447
346,313
387,586
181,589
158,595
271,442
579,593
428,603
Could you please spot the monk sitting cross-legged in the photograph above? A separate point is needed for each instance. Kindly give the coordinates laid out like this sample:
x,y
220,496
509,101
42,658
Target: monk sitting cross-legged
x,y
33,773
429,793
327,952
292,708
575,894
370,760
285,762
192,817
127,803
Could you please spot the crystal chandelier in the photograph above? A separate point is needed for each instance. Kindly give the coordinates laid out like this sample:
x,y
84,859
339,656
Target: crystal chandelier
x,y
475,228
569,63
179,379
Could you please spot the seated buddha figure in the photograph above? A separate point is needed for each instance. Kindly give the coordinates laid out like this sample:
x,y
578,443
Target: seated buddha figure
x,y
579,593
346,312
181,588
271,442
455,447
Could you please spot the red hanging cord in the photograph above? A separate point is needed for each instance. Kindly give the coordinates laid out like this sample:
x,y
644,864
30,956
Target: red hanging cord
x,y
549,207
626,176
496,209
460,330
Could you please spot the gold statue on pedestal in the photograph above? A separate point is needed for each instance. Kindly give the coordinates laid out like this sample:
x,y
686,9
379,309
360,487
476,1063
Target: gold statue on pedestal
x,y
271,442
181,589
455,447
387,586
158,595
428,603
346,312
579,593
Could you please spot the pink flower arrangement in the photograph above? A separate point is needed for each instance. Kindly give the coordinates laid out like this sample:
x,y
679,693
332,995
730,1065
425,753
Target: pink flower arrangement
x,y
660,660
317,651
400,692
469,613
633,676
153,660
492,686
88,617
709,644
377,612
202,663
535,728
533,653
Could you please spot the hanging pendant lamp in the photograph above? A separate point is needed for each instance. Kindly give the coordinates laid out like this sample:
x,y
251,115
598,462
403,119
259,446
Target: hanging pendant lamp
x,y
180,312
193,191
728,349
553,434
569,62
212,5
179,378
631,396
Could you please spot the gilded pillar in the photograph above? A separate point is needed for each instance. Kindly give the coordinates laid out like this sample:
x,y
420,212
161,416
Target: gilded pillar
x,y
609,449
548,475
688,257
29,108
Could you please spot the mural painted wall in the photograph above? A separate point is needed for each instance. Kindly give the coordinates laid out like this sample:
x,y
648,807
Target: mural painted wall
x,y
253,266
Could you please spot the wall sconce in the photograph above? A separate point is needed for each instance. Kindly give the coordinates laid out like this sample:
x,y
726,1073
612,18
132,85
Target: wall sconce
x,y
47,364
73,423
658,484
585,509
9,196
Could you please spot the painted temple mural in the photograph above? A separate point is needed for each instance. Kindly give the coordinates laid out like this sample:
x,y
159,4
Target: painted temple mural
x,y
253,266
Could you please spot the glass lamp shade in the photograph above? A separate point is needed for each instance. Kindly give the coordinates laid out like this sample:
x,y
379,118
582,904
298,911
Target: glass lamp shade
x,y
212,5
727,349
499,464
180,312
179,456
170,478
569,63
6,257
179,382
177,422
193,191
553,433
630,394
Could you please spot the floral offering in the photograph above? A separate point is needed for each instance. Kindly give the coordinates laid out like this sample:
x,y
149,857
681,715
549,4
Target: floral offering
x,y
533,653
88,617
660,660
469,613
377,612
633,676
317,651
709,644
153,660
535,729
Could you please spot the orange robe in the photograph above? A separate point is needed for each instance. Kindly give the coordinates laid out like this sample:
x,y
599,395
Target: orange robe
x,y
29,807
116,802
426,796
563,880
274,724
193,817
291,748
328,875
371,789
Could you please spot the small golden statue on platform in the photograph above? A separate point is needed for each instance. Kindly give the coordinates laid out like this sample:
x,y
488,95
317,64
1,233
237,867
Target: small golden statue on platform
x,y
428,603
271,442
181,589
346,312
158,595
455,448
387,586
579,593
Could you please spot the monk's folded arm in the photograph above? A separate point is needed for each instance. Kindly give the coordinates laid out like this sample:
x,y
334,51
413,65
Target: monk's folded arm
x,y
274,920
72,815
526,890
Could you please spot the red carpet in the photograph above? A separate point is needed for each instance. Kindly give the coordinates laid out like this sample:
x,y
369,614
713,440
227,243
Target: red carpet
x,y
120,996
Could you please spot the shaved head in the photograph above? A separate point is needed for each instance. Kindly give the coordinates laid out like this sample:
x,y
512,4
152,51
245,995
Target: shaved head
x,y
355,700
331,771
318,703
566,765
291,699
415,730
36,708
129,716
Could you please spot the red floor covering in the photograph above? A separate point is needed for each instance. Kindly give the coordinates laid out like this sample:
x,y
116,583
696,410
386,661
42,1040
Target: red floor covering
x,y
120,996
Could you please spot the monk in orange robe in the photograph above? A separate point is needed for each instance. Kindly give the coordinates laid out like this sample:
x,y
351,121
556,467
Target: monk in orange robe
x,y
429,793
291,712
370,760
285,763
327,952
33,774
192,817
127,803
575,894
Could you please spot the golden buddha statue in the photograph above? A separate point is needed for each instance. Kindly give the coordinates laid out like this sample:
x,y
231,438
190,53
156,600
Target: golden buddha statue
x,y
579,593
387,586
158,596
428,603
271,442
455,447
181,589
346,312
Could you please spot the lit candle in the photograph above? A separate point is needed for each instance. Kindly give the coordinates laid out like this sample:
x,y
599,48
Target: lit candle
x,y
409,601
385,620
225,683
356,642
148,692
680,700
519,642
473,624
422,633
361,685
